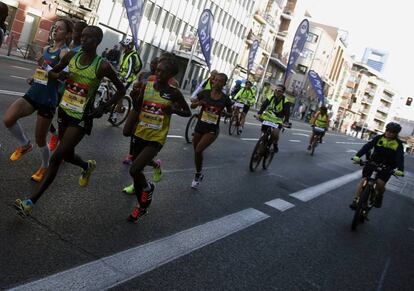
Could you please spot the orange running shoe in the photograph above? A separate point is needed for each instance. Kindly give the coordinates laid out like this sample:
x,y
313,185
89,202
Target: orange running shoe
x,y
38,176
20,151
53,142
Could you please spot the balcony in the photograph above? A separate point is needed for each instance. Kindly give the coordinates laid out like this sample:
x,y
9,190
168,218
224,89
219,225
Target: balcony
x,y
386,98
380,117
260,17
364,111
350,84
383,109
370,91
367,101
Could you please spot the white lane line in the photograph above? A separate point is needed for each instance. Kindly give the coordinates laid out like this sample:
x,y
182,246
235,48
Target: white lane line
x,y
280,204
302,134
18,77
175,136
384,272
14,93
351,151
294,140
256,124
246,138
348,142
116,269
22,68
315,191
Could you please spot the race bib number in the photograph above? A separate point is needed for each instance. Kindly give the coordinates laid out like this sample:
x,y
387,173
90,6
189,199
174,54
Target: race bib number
x,y
271,124
152,115
238,105
209,117
75,96
318,129
40,76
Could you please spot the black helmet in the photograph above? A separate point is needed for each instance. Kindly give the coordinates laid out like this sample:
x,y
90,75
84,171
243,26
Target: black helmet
x,y
393,127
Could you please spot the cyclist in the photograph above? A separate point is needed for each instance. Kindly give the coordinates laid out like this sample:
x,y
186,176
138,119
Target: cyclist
x,y
388,151
237,87
41,97
205,85
276,109
246,96
149,123
75,114
321,120
212,104
131,65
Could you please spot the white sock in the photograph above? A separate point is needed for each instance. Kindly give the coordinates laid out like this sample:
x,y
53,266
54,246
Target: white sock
x,y
44,154
17,131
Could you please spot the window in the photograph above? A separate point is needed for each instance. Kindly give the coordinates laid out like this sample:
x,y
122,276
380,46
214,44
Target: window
x,y
307,53
149,10
200,4
312,37
220,16
233,21
224,18
164,18
177,26
301,69
215,48
156,14
219,50
170,22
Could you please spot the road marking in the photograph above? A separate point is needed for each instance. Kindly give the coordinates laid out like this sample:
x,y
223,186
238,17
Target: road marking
x,y
256,124
381,282
175,136
351,151
280,204
302,134
245,138
116,269
315,191
294,140
22,68
347,142
14,93
18,77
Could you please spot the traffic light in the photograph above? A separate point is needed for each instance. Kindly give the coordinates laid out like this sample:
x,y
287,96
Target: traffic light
x,y
409,100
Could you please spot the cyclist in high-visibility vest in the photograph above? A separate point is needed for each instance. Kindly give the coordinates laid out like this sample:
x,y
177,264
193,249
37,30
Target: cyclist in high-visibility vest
x,y
321,120
131,65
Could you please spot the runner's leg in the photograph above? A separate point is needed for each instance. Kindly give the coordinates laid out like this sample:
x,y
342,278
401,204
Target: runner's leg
x,y
20,108
202,142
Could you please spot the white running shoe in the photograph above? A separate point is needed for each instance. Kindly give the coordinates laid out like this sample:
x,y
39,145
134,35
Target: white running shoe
x,y
196,181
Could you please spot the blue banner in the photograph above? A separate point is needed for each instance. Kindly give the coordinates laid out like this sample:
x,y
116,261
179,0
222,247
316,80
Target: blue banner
x,y
134,13
204,31
252,54
317,85
297,46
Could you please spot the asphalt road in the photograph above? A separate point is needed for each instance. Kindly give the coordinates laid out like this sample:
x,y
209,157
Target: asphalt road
x,y
222,236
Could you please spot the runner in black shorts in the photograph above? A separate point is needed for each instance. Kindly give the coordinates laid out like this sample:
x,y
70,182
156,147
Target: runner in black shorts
x,y
212,104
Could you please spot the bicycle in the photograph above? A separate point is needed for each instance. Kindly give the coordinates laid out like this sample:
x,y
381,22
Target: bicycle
x,y
104,93
368,195
234,125
317,135
264,147
189,129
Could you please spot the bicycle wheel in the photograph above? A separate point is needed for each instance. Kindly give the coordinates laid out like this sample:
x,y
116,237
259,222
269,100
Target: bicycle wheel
x,y
233,128
313,146
268,157
189,129
359,211
119,113
257,155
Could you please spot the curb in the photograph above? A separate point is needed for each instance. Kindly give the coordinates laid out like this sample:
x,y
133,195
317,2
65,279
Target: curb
x,y
17,59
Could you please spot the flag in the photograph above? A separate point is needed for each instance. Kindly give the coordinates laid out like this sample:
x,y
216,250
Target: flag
x,y
134,13
252,54
204,31
317,85
297,46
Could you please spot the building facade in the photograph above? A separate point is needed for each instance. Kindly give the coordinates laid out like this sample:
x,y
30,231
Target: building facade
x,y
375,59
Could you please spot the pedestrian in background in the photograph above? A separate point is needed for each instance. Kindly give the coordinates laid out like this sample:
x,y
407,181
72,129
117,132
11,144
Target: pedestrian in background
x,y
104,53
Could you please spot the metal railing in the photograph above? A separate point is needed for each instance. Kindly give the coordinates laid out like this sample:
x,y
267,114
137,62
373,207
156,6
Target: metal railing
x,y
20,49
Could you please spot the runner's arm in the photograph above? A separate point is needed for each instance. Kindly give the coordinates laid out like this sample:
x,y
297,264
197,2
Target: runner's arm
x,y
57,70
182,110
133,116
196,91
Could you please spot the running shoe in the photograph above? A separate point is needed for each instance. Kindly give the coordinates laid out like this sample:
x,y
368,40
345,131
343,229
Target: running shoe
x,y
157,174
129,189
84,178
128,160
196,182
38,176
53,142
137,214
24,207
20,151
